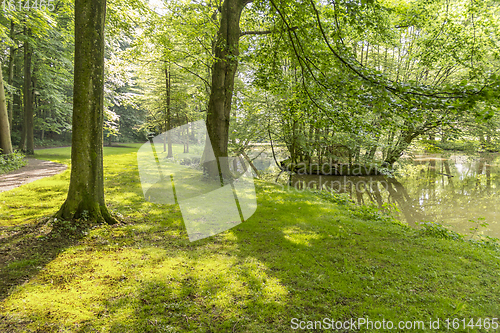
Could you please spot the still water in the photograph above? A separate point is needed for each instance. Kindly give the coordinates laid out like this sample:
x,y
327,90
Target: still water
x,y
451,189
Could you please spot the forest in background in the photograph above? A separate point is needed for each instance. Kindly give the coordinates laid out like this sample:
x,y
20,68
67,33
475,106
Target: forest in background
x,y
356,81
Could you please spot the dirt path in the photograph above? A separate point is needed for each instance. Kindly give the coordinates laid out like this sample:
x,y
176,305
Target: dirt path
x,y
36,169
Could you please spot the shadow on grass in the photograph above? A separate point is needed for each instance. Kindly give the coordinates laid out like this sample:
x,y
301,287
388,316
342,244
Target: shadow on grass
x,y
26,249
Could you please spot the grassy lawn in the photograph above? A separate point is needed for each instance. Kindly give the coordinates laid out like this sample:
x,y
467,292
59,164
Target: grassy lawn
x,y
299,256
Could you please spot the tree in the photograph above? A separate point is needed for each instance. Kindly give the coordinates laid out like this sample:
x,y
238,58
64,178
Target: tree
x,y
12,52
369,76
360,80
173,78
223,73
5,143
86,189
28,96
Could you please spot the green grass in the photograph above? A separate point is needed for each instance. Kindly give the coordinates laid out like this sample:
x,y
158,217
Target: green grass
x,y
300,255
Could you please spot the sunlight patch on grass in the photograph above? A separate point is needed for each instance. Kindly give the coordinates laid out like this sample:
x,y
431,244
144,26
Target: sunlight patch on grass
x,y
34,200
84,285
299,236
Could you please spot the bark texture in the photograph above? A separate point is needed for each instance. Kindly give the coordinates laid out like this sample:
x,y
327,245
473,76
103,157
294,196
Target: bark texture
x,y
223,72
86,190
12,53
5,142
28,99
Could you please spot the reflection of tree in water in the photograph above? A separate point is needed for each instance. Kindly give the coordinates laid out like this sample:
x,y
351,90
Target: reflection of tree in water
x,y
389,191
395,193
456,189
381,190
449,189
484,168
408,206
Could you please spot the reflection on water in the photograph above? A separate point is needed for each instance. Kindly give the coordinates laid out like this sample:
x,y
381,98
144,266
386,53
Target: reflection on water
x,y
449,189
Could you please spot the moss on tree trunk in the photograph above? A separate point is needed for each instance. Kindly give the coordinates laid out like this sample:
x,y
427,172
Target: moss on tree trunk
x,y
86,189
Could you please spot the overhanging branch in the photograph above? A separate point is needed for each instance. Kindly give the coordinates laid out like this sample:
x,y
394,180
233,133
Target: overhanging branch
x,y
392,89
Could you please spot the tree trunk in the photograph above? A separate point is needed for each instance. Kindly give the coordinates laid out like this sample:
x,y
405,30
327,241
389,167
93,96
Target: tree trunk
x,y
395,152
293,151
385,61
10,79
370,154
169,120
86,189
186,139
367,52
5,143
223,73
34,106
22,141
28,98
164,135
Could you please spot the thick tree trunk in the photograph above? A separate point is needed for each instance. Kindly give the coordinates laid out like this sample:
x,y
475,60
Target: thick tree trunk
x,y
86,189
5,143
223,73
28,98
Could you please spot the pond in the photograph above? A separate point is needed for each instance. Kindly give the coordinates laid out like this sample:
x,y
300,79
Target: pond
x,y
452,189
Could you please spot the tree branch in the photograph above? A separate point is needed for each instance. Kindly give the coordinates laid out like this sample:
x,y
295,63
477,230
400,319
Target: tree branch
x,y
193,73
263,32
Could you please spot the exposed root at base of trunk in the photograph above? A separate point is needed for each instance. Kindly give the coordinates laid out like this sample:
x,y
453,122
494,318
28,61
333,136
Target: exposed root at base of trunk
x,y
94,213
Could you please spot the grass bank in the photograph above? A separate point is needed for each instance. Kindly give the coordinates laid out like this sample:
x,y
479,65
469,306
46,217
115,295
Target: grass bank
x,y
300,256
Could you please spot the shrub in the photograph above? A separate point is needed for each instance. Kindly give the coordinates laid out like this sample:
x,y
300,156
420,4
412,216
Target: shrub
x,y
438,230
11,162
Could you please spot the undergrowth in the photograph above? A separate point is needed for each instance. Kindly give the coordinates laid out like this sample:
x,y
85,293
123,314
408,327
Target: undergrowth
x,y
12,162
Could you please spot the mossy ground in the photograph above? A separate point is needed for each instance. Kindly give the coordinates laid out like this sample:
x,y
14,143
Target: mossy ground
x,y
299,256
